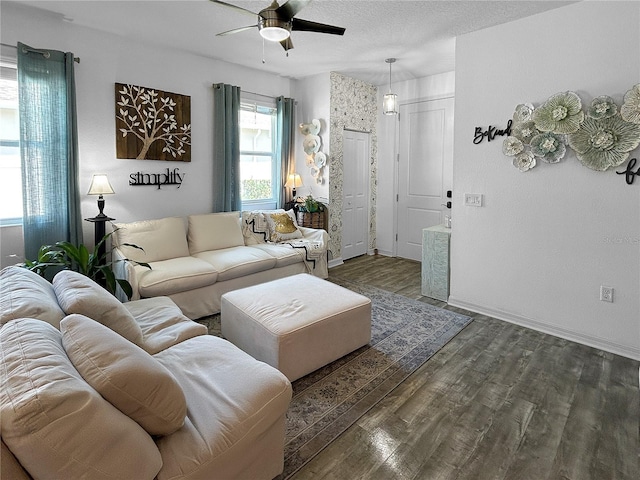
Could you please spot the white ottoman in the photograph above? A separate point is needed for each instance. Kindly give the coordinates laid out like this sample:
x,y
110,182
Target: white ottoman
x,y
296,324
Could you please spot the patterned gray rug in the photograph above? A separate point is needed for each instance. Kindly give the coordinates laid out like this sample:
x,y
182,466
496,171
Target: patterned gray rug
x,y
405,334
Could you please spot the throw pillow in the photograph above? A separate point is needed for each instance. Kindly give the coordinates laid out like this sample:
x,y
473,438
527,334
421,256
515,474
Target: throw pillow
x,y
79,294
125,375
55,423
282,226
255,228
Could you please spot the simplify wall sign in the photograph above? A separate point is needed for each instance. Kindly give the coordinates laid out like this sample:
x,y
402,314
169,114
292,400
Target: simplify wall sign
x,y
170,177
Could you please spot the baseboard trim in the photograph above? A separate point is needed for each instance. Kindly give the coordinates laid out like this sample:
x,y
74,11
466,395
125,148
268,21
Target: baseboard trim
x,y
334,262
589,340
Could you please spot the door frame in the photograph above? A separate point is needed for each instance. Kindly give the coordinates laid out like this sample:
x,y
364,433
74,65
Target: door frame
x,y
396,154
368,251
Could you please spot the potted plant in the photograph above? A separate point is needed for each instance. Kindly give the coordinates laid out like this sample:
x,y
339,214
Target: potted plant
x,y
310,213
67,256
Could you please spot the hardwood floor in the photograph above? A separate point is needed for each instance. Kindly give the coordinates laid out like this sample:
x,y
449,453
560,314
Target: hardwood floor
x,y
498,402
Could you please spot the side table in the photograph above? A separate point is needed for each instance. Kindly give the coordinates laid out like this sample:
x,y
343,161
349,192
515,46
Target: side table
x,y
99,231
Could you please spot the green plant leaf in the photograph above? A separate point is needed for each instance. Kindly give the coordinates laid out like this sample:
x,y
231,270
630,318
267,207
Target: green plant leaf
x,y
126,287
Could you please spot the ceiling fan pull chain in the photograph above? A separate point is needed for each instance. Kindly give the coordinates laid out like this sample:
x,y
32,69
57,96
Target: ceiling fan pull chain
x,y
263,61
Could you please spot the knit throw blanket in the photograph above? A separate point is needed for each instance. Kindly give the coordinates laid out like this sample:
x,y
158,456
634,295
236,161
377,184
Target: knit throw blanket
x,y
313,254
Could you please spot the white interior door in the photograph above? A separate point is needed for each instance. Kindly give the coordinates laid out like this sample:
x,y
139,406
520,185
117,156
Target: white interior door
x,y
425,171
355,202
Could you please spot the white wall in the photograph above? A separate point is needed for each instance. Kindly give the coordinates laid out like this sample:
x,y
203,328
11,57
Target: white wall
x,y
313,97
411,91
107,59
538,251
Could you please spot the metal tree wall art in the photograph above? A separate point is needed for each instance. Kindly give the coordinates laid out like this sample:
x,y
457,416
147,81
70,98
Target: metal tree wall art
x,y
152,124
602,136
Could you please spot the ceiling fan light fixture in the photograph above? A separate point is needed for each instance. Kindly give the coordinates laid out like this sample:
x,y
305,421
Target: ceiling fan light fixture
x,y
272,27
390,100
274,34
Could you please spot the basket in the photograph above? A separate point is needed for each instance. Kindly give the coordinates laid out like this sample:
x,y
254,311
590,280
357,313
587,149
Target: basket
x,y
311,220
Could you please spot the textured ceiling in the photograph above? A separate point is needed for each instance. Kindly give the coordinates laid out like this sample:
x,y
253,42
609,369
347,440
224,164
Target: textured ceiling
x,y
420,34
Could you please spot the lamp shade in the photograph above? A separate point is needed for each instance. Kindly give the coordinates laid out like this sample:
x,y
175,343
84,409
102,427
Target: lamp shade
x,y
100,185
293,181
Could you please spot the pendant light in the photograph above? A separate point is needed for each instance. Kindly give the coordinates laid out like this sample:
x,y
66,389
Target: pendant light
x,y
390,100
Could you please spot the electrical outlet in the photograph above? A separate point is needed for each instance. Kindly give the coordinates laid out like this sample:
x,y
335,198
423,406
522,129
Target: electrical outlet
x,y
606,293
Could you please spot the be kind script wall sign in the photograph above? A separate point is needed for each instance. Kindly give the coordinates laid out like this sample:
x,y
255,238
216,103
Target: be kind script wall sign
x,y
490,133
152,124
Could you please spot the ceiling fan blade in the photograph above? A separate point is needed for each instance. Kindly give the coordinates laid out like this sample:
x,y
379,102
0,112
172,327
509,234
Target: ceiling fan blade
x,y
291,8
240,9
287,44
235,30
307,26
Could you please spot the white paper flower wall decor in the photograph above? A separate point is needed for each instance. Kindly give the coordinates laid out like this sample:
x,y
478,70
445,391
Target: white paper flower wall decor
x,y
602,135
311,144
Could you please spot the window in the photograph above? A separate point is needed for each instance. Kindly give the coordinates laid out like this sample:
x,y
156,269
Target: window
x,y
259,172
10,174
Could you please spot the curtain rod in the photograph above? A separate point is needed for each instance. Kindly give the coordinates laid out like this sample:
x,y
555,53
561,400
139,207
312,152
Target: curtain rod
x,y
44,53
261,94
258,94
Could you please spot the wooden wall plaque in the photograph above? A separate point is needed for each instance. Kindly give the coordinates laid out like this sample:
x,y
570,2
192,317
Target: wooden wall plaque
x,y
152,124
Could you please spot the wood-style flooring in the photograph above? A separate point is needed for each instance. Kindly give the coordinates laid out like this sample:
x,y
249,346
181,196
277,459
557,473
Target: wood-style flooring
x,y
498,402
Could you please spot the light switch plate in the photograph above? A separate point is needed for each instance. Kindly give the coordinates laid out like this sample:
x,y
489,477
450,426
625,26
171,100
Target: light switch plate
x,y
473,199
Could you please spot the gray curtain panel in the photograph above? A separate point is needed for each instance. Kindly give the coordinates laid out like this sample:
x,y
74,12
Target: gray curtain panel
x,y
48,148
285,126
226,148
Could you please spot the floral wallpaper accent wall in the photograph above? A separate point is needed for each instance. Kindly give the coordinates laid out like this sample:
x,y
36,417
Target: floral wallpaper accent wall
x,y
354,106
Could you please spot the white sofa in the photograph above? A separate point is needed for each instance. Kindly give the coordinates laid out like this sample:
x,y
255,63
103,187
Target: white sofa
x,y
196,263
93,388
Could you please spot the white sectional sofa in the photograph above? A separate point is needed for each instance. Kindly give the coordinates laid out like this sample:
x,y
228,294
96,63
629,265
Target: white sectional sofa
x,y
195,262
93,388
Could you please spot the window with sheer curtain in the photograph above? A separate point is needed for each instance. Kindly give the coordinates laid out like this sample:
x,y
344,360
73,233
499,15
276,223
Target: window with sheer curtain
x,y
48,148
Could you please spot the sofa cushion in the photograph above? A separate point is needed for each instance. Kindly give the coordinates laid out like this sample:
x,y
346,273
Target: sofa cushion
x,y
19,289
232,401
174,275
160,239
79,294
284,254
282,226
237,262
213,231
162,323
255,228
125,375
10,466
54,422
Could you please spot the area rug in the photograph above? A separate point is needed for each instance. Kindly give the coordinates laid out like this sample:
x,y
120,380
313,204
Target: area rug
x,y
405,333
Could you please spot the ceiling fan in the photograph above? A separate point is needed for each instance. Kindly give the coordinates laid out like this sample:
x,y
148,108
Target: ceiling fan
x,y
276,22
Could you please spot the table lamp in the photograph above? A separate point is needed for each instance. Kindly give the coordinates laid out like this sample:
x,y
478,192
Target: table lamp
x,y
293,181
100,186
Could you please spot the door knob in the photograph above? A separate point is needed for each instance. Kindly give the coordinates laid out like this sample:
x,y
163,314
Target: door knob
x,y
448,204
